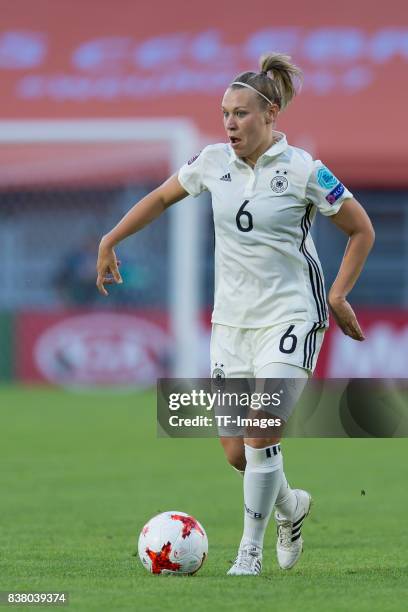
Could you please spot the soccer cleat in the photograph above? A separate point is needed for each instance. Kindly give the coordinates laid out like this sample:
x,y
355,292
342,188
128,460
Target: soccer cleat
x,y
290,543
248,562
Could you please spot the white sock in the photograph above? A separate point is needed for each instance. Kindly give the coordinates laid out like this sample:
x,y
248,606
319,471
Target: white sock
x,y
286,500
262,481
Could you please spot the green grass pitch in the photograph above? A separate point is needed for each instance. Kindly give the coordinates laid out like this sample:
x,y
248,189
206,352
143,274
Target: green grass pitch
x,y
82,472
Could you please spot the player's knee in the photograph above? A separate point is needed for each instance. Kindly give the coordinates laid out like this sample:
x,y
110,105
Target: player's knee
x,y
237,462
262,442
234,452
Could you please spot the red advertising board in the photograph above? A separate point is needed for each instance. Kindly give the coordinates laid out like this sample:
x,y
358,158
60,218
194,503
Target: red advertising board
x,y
383,354
126,59
133,349
92,348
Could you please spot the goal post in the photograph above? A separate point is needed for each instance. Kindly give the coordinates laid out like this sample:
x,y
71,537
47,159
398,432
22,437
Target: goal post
x,y
182,140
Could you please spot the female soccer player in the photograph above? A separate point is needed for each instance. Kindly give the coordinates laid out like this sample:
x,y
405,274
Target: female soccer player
x,y
270,309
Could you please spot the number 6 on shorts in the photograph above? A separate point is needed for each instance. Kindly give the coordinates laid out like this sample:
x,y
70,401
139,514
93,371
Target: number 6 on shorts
x,y
291,345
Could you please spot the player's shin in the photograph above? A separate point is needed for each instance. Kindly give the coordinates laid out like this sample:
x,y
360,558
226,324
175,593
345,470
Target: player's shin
x,y
286,499
262,481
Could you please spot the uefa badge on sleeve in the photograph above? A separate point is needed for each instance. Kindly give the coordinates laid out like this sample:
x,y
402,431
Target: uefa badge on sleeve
x,y
326,179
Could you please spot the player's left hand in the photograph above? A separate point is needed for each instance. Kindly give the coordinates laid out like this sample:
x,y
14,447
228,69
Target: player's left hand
x,y
345,318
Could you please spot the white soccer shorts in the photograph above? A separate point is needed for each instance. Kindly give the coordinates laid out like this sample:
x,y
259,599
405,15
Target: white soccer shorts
x,y
244,353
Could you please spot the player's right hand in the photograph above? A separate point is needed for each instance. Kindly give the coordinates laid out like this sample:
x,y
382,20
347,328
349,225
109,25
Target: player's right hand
x,y
107,268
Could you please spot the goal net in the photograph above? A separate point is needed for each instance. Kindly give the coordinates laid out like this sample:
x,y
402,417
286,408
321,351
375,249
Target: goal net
x,y
63,185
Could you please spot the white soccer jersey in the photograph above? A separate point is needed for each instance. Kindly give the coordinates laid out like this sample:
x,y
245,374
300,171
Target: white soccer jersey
x,y
266,267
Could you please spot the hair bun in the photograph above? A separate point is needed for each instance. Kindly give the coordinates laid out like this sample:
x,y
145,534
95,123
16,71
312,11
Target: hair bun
x,y
286,75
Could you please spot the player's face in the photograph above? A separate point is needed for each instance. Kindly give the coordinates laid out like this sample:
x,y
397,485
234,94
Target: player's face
x,y
247,123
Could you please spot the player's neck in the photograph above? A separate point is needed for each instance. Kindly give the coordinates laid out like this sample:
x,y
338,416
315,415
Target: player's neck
x,y
253,158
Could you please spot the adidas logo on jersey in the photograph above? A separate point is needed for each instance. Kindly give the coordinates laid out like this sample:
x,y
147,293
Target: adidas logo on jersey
x,y
226,177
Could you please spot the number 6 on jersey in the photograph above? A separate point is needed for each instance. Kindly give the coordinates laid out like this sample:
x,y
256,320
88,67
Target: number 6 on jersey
x,y
244,213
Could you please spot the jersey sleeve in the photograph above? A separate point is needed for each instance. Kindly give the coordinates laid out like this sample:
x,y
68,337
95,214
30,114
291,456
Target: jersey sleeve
x,y
191,175
325,190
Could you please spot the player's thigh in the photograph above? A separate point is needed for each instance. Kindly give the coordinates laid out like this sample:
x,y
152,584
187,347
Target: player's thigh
x,y
282,370
283,383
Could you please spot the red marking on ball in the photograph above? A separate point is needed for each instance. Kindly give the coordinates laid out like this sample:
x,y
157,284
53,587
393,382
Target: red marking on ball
x,y
160,560
189,523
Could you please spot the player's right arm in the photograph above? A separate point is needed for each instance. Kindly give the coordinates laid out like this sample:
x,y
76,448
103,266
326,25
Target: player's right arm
x,y
142,213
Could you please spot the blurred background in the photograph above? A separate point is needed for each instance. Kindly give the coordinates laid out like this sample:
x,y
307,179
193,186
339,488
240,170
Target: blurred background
x,y
102,100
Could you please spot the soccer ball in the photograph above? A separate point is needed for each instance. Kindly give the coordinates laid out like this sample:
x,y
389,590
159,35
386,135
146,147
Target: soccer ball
x,y
173,543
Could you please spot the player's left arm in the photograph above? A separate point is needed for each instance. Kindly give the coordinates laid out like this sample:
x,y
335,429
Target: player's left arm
x,y
353,221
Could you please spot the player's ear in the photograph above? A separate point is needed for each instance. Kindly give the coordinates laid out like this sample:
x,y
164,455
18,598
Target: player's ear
x,y
271,113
